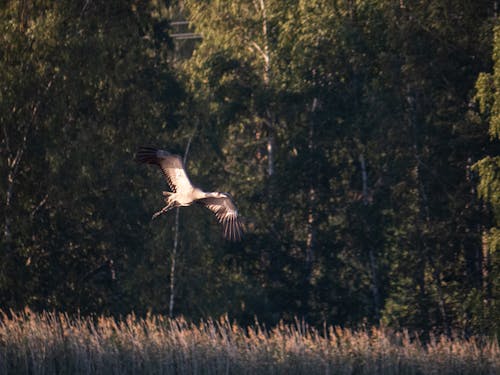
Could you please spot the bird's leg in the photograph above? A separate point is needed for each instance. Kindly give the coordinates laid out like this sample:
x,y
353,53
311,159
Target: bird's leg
x,y
171,203
163,210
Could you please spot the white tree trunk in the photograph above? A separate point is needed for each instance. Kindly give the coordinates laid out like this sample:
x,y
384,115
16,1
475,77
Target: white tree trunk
x,y
173,255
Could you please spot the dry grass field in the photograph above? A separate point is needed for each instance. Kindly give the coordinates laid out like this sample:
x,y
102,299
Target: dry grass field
x,y
50,343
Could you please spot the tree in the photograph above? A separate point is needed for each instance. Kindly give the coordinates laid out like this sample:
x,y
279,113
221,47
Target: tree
x,y
83,83
345,131
488,97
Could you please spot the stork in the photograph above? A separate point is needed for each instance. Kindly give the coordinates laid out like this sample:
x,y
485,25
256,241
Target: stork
x,y
185,194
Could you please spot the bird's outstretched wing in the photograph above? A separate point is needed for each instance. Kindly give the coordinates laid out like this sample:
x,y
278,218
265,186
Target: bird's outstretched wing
x,y
171,166
227,214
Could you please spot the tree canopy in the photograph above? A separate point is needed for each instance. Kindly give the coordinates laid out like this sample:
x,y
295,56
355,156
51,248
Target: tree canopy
x,y
358,138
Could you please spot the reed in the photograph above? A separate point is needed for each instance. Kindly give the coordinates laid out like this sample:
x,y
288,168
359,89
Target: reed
x,y
51,343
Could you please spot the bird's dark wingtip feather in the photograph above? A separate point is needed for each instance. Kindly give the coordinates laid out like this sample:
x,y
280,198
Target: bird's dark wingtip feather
x,y
146,155
232,229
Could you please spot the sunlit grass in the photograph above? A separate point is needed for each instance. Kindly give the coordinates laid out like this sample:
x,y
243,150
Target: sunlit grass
x,y
50,343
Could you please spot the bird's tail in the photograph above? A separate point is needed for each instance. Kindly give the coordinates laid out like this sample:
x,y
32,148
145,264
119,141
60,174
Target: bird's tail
x,y
147,155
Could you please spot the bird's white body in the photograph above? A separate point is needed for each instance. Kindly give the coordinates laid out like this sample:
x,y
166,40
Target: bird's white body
x,y
186,197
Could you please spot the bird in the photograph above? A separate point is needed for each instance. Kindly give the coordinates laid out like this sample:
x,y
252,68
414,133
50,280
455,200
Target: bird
x,y
183,193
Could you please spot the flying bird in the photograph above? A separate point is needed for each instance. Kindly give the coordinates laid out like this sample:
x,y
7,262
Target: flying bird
x,y
185,194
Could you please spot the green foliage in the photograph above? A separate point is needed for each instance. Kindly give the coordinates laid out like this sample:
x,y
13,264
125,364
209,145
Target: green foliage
x,y
344,130
79,94
488,97
389,250
489,185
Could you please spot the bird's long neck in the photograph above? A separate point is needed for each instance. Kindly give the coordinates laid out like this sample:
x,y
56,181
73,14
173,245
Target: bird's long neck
x,y
210,194
200,194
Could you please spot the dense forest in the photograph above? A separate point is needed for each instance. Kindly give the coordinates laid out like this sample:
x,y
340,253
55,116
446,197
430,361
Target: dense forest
x,y
359,138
